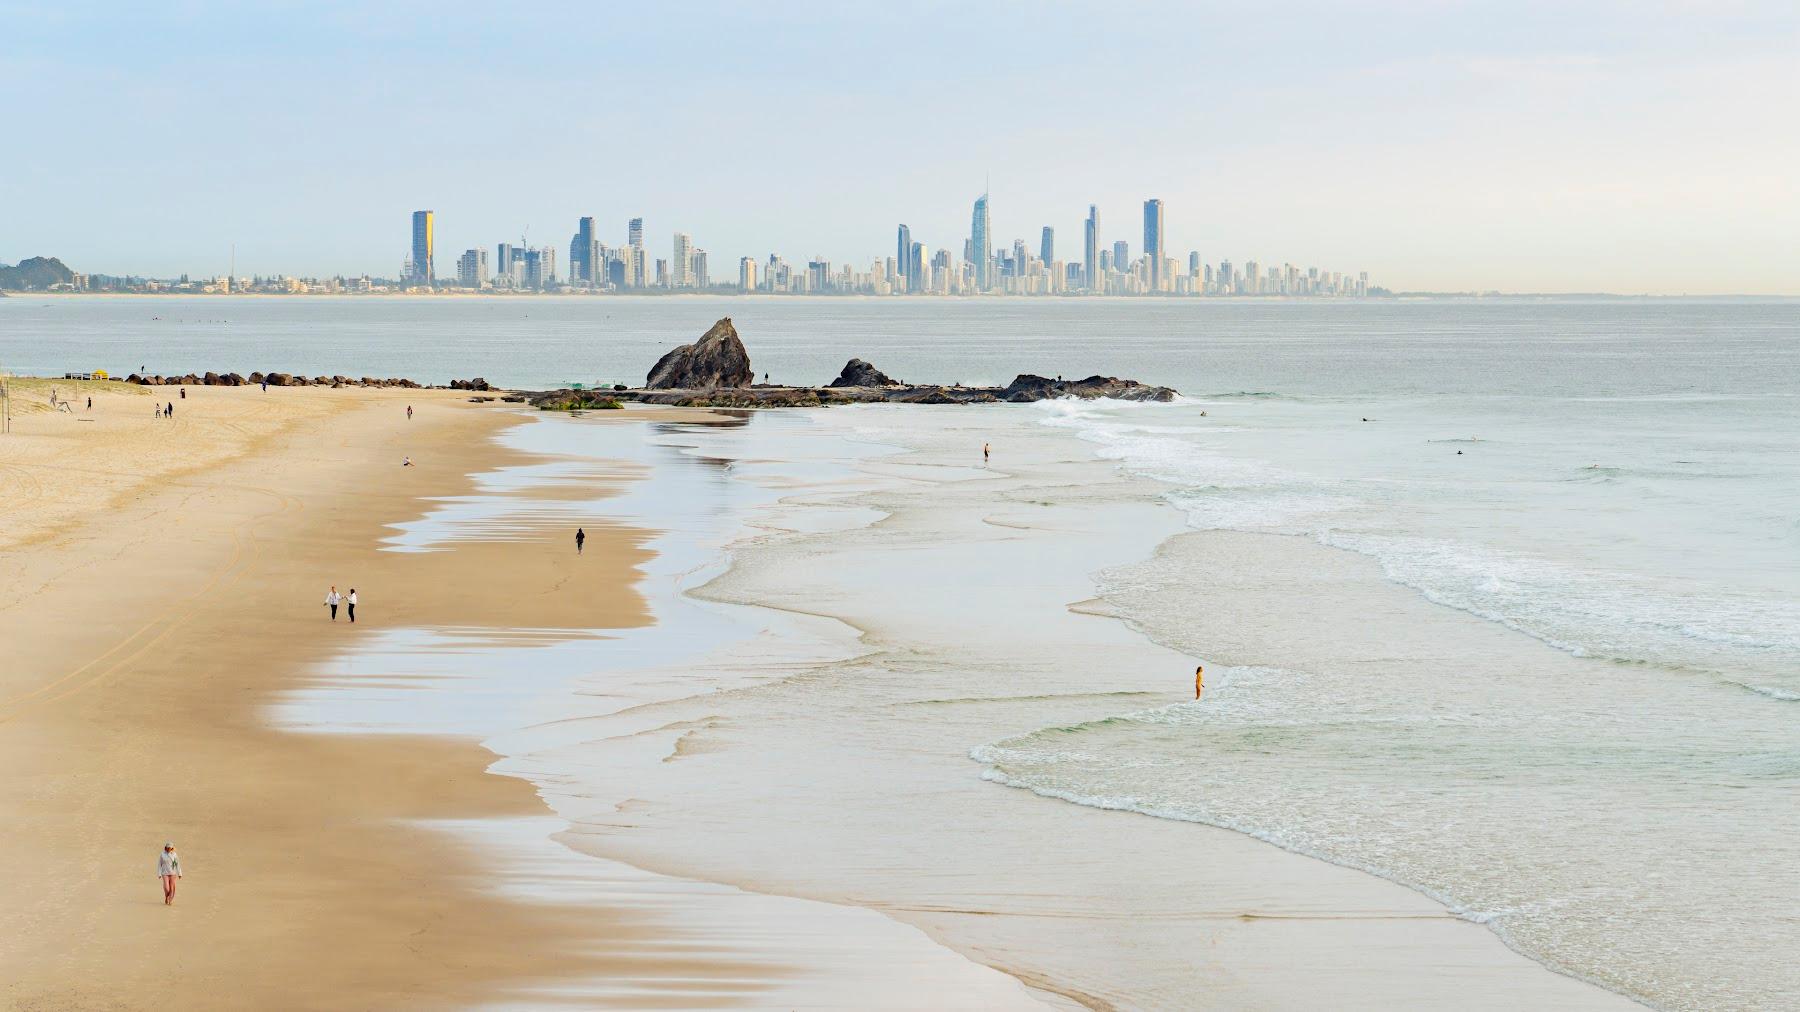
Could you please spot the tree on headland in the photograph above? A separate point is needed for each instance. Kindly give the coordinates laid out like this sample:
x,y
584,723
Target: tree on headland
x,y
35,273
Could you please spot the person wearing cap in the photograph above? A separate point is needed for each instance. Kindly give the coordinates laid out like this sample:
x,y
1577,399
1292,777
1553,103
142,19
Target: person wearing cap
x,y
168,868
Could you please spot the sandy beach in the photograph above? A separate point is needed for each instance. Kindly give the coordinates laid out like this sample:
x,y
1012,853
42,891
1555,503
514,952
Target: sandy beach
x,y
171,668
164,577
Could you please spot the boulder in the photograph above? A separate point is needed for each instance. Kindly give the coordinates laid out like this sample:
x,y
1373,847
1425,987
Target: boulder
x,y
278,379
858,373
717,360
211,379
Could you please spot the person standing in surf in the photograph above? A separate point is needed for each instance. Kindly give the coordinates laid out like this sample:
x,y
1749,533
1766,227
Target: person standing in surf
x,y
1199,679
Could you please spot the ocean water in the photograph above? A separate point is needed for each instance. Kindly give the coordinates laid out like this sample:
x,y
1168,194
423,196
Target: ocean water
x,y
1499,600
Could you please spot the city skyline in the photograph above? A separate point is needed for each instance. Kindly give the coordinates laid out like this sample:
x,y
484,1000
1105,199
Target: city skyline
x,y
1527,147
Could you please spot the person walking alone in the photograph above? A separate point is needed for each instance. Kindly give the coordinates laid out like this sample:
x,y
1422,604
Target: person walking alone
x,y
331,601
409,412
168,868
580,539
351,601
1199,680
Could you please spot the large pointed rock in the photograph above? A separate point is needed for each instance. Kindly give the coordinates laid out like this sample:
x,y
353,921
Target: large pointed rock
x,y
718,359
858,373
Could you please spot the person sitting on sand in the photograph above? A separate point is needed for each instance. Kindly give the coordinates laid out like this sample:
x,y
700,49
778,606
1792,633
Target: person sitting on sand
x,y
168,868
406,462
580,539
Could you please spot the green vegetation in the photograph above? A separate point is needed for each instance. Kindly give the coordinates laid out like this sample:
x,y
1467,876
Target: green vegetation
x,y
35,273
579,400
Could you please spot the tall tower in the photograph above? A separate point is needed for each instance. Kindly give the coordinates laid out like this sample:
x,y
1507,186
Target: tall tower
x,y
903,251
682,259
1153,242
634,233
1047,247
981,249
423,268
1090,250
581,266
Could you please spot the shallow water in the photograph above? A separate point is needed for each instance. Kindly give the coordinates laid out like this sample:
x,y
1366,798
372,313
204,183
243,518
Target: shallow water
x,y
1552,679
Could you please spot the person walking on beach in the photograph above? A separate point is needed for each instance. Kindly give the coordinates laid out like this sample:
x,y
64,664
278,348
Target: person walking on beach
x,y
351,601
409,412
1199,680
985,450
90,406
169,410
580,539
331,601
168,868
184,393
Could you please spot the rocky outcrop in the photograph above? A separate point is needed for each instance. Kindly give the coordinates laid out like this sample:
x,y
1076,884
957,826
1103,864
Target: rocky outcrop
x,y
475,384
858,373
717,360
1027,387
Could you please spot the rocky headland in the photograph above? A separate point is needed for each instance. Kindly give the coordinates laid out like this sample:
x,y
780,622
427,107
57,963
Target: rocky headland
x,y
715,371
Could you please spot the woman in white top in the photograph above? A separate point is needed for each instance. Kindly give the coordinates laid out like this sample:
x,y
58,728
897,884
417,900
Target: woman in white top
x,y
331,601
352,602
168,868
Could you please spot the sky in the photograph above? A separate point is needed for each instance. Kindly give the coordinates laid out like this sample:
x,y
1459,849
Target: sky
x,y
1645,147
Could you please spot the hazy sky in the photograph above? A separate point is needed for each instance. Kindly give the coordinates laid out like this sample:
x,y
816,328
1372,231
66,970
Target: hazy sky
x,y
1635,147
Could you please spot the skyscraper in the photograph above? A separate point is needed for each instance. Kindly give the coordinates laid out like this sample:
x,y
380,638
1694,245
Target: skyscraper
x,y
422,239
981,250
681,260
472,269
915,267
903,252
1047,247
634,232
1091,251
1121,256
581,265
1153,242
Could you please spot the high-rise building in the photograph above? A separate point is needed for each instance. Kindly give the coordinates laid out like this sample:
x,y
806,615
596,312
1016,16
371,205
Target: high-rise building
x,y
634,233
681,261
581,248
1121,256
1047,246
472,269
746,274
1091,250
916,269
699,276
903,251
423,271
1153,243
981,249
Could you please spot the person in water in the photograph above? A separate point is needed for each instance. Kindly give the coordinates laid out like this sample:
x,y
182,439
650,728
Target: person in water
x,y
985,450
1199,679
168,868
580,539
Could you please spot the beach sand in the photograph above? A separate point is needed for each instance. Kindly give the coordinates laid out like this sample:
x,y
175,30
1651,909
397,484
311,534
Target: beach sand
x,y
163,579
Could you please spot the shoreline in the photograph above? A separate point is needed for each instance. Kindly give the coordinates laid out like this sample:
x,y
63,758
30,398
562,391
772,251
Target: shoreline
x,y
1403,944
1260,924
